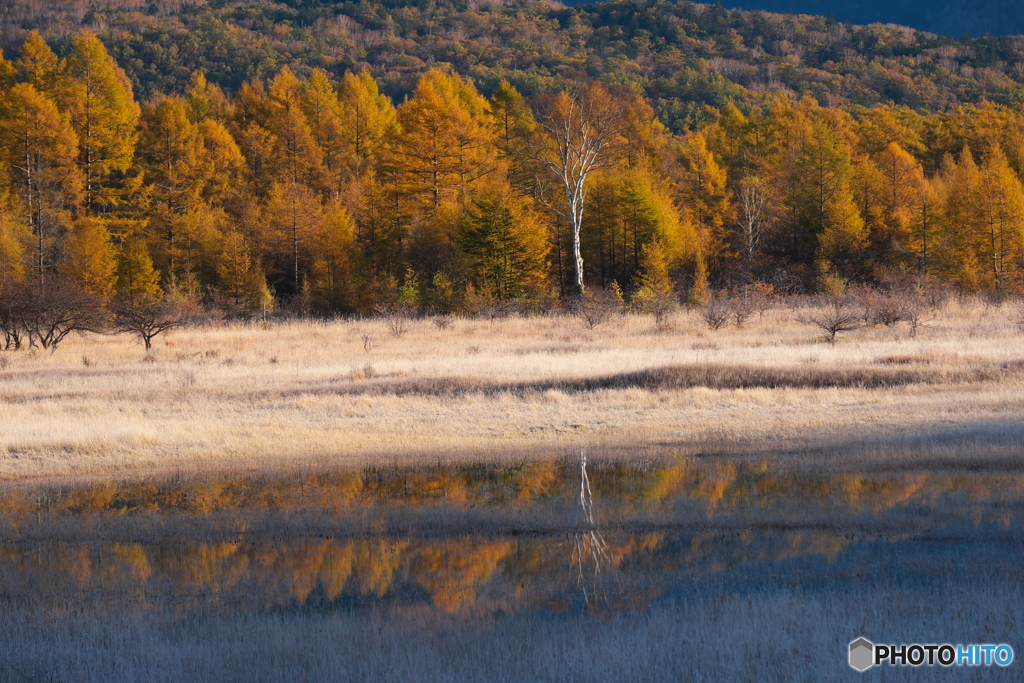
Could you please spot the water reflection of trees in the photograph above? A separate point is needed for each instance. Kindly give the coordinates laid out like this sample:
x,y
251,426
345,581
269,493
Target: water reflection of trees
x,y
452,574
626,552
715,488
589,549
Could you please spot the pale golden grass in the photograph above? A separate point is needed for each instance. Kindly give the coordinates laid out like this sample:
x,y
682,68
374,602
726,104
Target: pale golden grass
x,y
308,393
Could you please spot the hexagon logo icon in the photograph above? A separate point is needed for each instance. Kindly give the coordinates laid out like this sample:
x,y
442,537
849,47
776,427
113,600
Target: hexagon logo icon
x,y
862,654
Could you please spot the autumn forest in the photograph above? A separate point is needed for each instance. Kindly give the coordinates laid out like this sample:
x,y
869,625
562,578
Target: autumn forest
x,y
307,189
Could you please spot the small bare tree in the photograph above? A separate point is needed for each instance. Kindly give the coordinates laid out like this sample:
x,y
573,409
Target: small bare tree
x,y
580,132
595,308
887,308
397,317
716,312
1017,313
46,315
836,316
12,300
146,317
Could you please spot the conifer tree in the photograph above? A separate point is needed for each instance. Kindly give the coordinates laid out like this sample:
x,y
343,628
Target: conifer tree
x,y
173,160
297,156
367,116
13,234
38,65
8,71
825,204
704,192
39,151
322,109
227,177
964,212
504,250
90,258
293,215
331,282
1002,198
206,100
903,182
137,280
444,144
513,124
241,283
98,99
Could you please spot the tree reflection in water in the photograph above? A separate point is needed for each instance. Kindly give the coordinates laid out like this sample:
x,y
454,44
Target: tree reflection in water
x,y
589,547
479,538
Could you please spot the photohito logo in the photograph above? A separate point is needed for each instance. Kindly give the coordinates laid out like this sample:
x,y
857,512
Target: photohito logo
x,y
864,654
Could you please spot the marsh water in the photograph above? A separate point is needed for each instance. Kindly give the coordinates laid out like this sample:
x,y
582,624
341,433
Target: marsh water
x,y
590,538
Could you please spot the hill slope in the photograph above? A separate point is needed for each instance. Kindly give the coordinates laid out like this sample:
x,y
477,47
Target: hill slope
x,y
945,17
681,55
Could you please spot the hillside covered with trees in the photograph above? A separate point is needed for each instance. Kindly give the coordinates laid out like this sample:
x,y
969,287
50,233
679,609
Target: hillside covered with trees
x,y
337,158
946,17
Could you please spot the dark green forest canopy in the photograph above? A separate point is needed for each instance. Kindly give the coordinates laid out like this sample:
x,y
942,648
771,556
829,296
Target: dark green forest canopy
x,y
683,57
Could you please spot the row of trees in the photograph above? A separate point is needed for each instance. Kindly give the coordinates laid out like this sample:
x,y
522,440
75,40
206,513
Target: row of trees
x,y
321,195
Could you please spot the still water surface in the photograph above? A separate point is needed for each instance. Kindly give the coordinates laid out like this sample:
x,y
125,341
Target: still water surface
x,y
556,537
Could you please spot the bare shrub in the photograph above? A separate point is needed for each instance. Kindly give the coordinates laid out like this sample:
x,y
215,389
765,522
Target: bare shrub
x,y
398,318
45,316
740,309
761,296
148,317
596,307
886,308
836,316
716,312
1017,313
915,304
369,341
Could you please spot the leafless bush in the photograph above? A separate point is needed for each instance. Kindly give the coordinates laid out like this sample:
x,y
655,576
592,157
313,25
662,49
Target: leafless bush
x,y
148,317
761,296
915,306
740,309
716,312
398,317
596,307
46,315
836,316
886,308
11,315
935,295
497,309
1017,313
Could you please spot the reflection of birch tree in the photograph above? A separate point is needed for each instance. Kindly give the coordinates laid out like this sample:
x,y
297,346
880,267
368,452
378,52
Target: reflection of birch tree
x,y
589,547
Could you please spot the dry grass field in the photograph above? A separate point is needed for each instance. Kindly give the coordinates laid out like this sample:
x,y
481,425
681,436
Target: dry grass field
x,y
306,393
776,493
